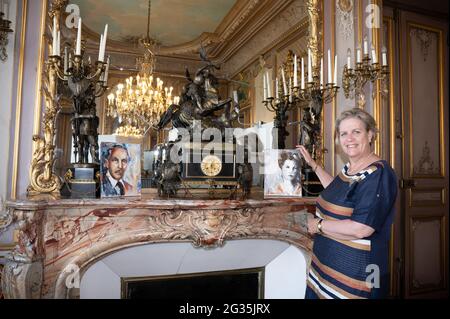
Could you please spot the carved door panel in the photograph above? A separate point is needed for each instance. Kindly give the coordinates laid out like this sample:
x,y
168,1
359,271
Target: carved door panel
x,y
424,185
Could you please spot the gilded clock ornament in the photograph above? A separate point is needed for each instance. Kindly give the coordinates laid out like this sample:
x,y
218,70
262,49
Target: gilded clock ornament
x,y
211,165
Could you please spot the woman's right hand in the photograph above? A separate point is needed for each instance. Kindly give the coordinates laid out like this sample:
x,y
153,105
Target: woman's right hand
x,y
306,155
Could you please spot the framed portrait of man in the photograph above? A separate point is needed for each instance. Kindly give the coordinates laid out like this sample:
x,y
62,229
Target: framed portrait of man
x,y
282,174
120,169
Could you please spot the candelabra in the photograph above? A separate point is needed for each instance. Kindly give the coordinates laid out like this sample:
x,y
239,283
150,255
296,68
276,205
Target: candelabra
x,y
86,82
5,29
366,69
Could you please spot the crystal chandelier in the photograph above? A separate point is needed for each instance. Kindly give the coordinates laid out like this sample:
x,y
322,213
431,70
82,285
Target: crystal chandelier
x,y
140,102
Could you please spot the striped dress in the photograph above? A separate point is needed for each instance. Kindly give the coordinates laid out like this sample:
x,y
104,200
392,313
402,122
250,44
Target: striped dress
x,y
348,269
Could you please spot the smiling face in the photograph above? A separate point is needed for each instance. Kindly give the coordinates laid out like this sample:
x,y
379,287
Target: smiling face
x,y
117,162
354,138
289,170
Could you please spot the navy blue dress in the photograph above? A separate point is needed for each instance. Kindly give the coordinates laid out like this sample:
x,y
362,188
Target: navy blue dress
x,y
342,269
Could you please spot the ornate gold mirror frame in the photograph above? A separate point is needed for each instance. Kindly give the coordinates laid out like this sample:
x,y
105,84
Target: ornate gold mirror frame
x,y
43,179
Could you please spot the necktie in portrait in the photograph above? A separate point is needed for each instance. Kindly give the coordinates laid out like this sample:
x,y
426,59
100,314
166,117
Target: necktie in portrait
x,y
120,188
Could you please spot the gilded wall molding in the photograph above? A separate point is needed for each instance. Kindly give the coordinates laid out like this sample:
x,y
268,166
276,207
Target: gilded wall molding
x,y
345,17
424,38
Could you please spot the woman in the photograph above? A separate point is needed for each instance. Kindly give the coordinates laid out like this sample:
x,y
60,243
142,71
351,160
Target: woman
x,y
289,164
354,216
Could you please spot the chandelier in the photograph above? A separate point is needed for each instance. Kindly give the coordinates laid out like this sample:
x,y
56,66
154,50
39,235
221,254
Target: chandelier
x,y
140,102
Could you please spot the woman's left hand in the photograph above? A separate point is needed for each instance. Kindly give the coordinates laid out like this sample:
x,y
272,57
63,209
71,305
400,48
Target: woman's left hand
x,y
312,224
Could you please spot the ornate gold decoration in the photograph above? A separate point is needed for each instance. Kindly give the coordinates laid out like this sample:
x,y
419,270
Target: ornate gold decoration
x,y
206,228
424,38
42,177
314,34
344,15
425,166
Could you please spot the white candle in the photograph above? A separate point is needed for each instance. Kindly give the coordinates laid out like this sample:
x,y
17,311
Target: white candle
x,y
264,87
58,44
295,71
100,48
6,10
366,47
321,72
105,78
235,97
303,75
384,59
309,66
329,67
70,60
374,56
105,35
66,60
358,56
290,90
349,59
277,93
335,70
54,36
285,92
269,85
78,46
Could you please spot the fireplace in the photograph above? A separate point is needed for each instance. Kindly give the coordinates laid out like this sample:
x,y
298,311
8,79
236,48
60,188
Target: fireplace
x,y
235,284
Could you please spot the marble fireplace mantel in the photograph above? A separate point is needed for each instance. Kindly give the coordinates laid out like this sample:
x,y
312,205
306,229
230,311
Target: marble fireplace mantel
x,y
58,236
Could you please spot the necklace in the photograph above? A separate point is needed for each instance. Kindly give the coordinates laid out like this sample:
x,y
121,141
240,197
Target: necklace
x,y
355,168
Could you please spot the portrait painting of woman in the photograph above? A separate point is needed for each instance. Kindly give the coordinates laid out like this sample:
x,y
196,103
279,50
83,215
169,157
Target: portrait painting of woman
x,y
282,174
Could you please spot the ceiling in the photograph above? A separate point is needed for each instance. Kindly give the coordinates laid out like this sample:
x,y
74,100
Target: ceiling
x,y
172,22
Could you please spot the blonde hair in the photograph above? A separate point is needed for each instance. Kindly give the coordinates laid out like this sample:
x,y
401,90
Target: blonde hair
x,y
363,116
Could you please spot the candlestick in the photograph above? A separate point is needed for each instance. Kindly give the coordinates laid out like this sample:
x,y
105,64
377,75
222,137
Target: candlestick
x,y
329,67
303,75
309,66
269,85
78,46
295,71
285,92
358,55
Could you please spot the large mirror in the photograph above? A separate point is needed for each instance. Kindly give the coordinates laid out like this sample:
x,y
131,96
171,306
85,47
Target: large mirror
x,y
247,39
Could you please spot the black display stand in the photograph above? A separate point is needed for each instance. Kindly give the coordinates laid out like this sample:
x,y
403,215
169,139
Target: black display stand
x,y
311,183
82,181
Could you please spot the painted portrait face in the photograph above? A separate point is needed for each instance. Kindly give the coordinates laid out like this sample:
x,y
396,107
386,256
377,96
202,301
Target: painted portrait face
x,y
117,163
354,137
289,170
